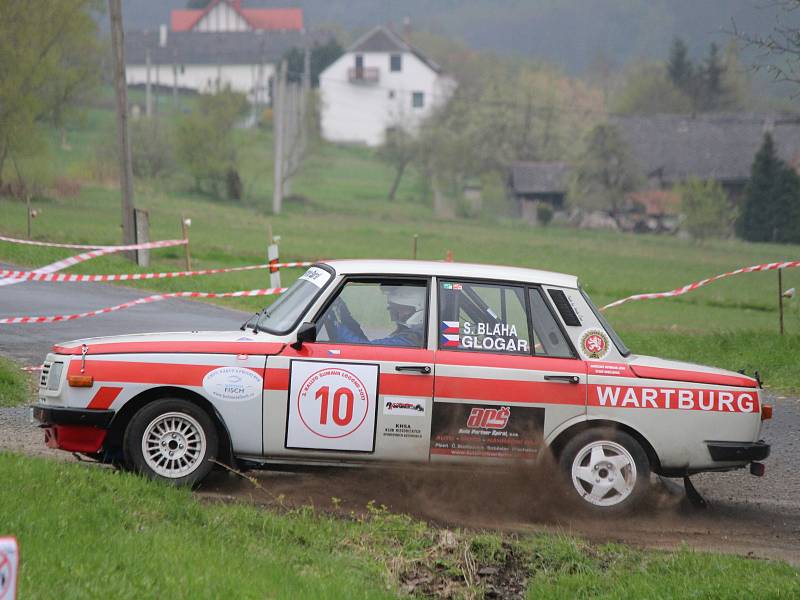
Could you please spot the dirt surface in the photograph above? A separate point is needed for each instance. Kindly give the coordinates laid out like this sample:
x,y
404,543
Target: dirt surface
x,y
751,516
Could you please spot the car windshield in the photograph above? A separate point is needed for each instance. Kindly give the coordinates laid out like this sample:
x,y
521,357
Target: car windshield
x,y
623,349
282,315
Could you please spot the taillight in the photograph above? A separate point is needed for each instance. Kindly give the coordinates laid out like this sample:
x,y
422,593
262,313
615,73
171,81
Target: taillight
x,y
766,412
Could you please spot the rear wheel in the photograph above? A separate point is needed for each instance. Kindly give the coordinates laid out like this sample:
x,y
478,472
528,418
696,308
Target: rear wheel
x,y
607,469
172,440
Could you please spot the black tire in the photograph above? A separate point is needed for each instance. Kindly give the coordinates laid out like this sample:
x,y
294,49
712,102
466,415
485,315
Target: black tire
x,y
595,479
181,438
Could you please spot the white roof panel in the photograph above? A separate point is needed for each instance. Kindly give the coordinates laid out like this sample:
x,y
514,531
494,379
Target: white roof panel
x,y
451,270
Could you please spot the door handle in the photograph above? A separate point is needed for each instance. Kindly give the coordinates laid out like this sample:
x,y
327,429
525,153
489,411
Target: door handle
x,y
424,369
563,378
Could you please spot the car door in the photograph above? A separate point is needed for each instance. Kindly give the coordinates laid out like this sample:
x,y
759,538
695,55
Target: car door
x,y
505,373
363,390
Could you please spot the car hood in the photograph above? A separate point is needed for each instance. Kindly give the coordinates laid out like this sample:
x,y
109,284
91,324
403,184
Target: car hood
x,y
192,342
651,367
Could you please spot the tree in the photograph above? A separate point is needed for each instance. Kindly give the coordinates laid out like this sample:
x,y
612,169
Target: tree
x,y
204,140
322,55
705,208
778,51
45,62
647,90
604,172
771,211
399,149
712,92
679,66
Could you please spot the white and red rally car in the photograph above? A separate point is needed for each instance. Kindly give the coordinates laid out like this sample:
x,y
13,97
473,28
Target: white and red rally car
x,y
382,361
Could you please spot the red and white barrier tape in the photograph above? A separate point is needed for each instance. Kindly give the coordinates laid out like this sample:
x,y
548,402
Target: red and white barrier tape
x,y
60,265
38,275
142,246
697,284
32,369
138,301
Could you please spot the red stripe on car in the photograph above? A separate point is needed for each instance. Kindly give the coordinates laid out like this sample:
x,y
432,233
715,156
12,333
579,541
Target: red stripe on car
x,y
177,347
104,398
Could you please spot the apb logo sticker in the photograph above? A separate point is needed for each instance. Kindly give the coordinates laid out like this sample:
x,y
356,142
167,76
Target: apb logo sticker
x,y
489,418
594,343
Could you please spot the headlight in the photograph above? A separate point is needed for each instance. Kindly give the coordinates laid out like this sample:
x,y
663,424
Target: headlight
x,y
54,377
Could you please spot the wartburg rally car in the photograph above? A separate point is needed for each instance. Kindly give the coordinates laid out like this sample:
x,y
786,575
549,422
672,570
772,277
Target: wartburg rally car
x,y
380,362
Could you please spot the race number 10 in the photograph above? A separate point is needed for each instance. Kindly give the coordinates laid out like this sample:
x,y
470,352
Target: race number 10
x,y
332,406
342,395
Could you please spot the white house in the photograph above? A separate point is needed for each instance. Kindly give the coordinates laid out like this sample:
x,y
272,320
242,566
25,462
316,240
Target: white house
x,y
204,61
380,82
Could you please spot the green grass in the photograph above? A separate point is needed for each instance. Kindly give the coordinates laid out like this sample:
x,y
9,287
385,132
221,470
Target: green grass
x,y
15,385
94,533
345,214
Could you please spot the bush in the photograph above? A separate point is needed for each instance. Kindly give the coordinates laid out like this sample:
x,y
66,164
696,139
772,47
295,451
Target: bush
x,y
706,209
544,213
204,141
152,148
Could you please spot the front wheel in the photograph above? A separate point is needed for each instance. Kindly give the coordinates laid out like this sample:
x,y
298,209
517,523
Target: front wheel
x,y
607,468
172,440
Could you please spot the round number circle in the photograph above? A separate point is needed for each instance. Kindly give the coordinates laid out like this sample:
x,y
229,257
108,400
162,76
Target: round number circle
x,y
332,403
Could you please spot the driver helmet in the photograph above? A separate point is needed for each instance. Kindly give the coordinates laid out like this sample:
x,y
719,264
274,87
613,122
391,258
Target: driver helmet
x,y
406,304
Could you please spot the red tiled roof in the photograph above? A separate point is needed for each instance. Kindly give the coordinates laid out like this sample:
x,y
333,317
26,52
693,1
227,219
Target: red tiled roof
x,y
274,18
657,202
269,19
183,20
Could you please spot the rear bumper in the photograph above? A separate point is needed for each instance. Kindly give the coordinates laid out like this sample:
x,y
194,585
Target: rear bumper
x,y
738,451
74,429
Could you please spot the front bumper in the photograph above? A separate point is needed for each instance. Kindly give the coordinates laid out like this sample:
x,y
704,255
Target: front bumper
x,y
738,451
73,429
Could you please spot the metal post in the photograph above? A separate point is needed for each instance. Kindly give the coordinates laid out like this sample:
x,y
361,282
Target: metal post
x,y
28,208
278,112
780,298
126,168
185,223
414,246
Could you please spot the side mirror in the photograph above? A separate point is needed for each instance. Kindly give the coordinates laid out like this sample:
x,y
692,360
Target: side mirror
x,y
306,333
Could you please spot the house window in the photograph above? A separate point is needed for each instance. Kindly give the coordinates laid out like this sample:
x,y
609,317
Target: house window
x,y
396,62
418,99
359,66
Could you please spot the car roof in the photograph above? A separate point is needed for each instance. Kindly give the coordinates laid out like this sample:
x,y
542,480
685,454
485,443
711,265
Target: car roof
x,y
451,270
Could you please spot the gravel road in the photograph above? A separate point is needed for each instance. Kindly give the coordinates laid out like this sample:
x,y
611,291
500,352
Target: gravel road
x,y
747,515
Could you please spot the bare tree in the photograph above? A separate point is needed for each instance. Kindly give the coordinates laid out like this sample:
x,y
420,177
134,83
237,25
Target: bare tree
x,y
778,52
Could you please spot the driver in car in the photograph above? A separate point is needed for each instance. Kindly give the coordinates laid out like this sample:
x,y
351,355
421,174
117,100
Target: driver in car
x,y
406,306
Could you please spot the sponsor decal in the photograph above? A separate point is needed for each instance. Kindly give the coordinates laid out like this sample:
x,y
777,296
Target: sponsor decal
x,y
492,336
398,405
317,276
594,343
486,431
402,430
613,396
332,406
489,418
233,384
9,567
448,285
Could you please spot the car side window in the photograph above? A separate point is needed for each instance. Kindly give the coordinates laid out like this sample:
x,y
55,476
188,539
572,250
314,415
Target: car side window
x,y
550,340
380,313
483,317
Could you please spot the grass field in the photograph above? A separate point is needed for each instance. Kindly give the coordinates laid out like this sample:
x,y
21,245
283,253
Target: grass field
x,y
15,386
732,323
106,534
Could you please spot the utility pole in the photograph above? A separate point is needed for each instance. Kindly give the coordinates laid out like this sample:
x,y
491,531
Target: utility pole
x,y
278,116
125,166
148,92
